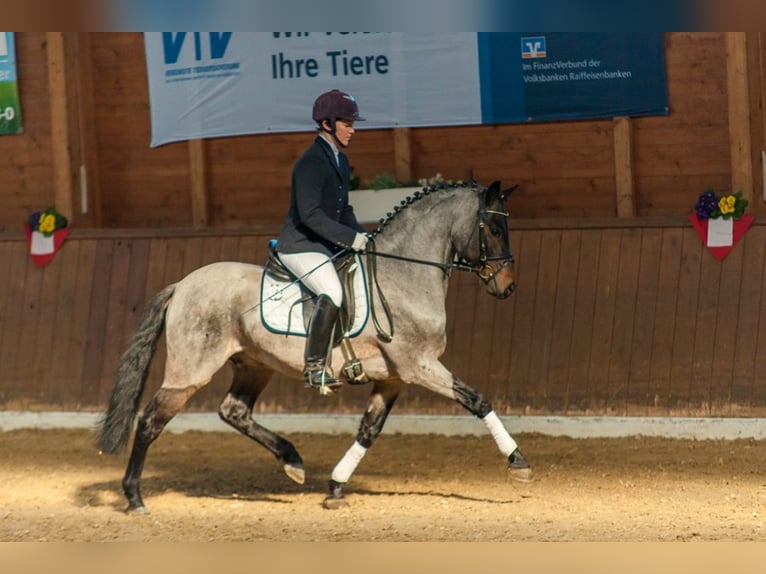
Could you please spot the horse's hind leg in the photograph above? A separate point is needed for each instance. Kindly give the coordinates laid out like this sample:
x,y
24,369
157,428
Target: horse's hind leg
x,y
163,407
237,409
379,405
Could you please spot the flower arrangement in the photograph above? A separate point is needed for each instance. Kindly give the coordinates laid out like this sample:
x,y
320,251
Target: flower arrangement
x,y
388,180
47,221
712,206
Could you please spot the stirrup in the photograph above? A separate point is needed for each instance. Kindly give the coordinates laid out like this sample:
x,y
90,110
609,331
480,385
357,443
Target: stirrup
x,y
354,372
319,378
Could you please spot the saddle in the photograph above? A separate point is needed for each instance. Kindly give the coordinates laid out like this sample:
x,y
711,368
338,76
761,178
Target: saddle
x,y
287,306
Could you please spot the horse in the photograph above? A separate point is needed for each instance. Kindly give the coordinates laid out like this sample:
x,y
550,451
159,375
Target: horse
x,y
207,323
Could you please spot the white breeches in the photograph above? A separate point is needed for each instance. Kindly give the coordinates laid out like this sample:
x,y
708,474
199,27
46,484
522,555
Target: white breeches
x,y
316,272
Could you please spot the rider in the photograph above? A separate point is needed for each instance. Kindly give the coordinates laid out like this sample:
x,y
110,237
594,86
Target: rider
x,y
320,223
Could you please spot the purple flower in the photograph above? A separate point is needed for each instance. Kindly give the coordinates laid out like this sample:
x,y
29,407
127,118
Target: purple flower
x,y
706,205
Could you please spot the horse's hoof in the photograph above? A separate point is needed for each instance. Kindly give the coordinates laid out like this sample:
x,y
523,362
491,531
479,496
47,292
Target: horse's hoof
x,y
139,509
295,473
520,474
518,467
331,503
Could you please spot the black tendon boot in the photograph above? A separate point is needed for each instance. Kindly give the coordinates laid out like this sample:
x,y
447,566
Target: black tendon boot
x,y
318,345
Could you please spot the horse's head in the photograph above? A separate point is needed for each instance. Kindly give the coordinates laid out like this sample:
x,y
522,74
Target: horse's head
x,y
495,260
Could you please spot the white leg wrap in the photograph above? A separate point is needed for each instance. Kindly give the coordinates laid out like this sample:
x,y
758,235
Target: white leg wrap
x,y
347,465
504,441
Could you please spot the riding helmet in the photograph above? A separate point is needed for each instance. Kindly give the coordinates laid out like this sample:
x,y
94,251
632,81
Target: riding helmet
x,y
334,105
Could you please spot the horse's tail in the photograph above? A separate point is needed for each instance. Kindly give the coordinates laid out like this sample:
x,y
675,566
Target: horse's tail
x,y
129,380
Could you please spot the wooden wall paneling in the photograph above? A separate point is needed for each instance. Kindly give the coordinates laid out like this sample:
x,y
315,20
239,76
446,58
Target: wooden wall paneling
x,y
661,386
563,326
682,371
746,345
250,247
603,321
230,248
139,250
15,318
96,344
175,256
39,370
726,326
624,321
28,299
528,255
758,374
64,327
211,251
705,335
639,398
542,328
578,380
72,369
116,335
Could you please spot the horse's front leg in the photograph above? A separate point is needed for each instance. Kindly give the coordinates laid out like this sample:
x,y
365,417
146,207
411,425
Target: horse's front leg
x,y
473,401
379,405
436,377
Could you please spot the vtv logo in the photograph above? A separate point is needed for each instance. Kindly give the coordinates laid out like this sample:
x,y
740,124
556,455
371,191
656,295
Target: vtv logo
x,y
3,44
533,47
173,43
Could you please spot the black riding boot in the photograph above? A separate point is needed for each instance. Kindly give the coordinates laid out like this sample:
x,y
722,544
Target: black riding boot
x,y
318,344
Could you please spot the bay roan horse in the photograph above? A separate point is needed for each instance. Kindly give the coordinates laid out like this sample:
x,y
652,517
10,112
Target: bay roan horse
x,y
208,322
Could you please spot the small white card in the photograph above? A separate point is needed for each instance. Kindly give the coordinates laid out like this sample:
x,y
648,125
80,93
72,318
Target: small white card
x,y
720,232
40,244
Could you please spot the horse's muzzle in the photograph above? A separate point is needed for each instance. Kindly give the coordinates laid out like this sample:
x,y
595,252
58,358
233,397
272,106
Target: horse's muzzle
x,y
500,280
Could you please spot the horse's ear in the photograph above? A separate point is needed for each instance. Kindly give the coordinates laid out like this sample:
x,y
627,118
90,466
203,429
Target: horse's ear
x,y
493,191
506,192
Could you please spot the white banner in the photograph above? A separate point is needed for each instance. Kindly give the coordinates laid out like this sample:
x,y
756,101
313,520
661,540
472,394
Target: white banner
x,y
209,84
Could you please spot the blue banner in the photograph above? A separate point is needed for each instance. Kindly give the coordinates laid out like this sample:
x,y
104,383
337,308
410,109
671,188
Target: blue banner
x,y
214,84
10,114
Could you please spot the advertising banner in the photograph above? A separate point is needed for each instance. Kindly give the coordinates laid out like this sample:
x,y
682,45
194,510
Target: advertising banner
x,y
213,84
10,114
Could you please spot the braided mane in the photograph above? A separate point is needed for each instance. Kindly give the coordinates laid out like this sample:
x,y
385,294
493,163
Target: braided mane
x,y
418,195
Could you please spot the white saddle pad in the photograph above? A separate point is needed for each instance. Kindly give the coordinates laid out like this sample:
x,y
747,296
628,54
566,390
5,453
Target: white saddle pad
x,y
281,311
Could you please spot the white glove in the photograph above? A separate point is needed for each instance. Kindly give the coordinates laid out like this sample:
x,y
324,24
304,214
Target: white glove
x,y
360,242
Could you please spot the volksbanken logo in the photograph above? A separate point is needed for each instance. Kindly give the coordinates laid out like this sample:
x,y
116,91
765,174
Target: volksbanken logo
x,y
533,47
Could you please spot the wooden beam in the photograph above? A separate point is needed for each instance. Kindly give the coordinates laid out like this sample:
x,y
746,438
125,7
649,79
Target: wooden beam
x,y
88,157
623,167
198,176
402,154
60,129
740,146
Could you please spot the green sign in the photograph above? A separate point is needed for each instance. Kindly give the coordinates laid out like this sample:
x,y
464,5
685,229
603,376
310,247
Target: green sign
x,y
10,112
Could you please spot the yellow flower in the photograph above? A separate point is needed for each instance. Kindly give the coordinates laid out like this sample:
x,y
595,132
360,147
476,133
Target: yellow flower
x,y
726,204
47,223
